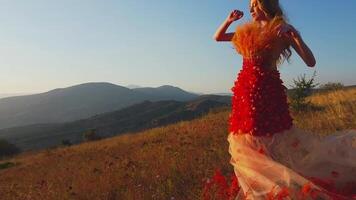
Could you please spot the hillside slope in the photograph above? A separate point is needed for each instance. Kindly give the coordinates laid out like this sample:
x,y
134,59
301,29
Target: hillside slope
x,y
168,162
134,118
155,164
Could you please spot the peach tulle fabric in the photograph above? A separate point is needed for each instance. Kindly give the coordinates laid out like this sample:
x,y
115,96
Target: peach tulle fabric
x,y
264,164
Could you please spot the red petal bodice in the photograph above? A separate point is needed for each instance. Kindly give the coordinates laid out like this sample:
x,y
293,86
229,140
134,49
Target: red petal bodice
x,y
259,102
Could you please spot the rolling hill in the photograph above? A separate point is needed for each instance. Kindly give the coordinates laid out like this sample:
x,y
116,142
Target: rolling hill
x,y
134,118
79,102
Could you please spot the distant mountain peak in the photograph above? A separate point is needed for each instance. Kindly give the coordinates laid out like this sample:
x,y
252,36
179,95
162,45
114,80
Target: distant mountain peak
x,y
170,87
96,84
167,86
88,85
133,86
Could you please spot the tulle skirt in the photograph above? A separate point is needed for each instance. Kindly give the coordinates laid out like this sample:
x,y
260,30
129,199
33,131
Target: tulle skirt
x,y
295,163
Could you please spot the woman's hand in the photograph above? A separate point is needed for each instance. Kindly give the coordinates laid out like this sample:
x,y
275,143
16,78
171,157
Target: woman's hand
x,y
220,34
234,15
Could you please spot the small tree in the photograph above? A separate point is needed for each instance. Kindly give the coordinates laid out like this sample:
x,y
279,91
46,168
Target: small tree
x,y
7,149
302,88
332,86
91,135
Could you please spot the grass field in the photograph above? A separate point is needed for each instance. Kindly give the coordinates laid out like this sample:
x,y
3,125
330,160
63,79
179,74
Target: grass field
x,y
168,162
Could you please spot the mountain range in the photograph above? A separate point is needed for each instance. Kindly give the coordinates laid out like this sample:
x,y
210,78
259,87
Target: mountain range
x,y
80,102
134,118
43,120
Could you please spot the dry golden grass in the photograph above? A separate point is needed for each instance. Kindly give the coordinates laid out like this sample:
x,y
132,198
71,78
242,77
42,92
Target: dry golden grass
x,y
168,162
335,110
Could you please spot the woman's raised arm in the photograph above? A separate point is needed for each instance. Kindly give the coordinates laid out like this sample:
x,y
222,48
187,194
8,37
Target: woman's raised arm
x,y
303,50
295,40
220,34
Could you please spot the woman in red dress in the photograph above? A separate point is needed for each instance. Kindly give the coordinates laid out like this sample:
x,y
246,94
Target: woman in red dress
x,y
269,154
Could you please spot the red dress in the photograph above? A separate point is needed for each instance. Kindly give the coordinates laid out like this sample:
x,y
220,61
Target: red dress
x,y
269,154
259,102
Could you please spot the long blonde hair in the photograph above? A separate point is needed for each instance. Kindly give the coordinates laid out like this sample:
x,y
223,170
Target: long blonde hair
x,y
272,9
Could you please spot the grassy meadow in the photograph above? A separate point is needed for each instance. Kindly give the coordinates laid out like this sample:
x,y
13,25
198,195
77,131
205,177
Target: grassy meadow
x,y
169,162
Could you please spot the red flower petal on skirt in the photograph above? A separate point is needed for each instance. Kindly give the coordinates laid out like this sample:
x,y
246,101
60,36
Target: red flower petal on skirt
x,y
261,151
335,174
283,193
295,143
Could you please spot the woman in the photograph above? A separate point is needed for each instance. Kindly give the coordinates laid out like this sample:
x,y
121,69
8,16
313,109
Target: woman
x,y
269,154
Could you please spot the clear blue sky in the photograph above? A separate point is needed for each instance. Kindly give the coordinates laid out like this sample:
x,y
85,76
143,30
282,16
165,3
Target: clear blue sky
x,y
47,44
